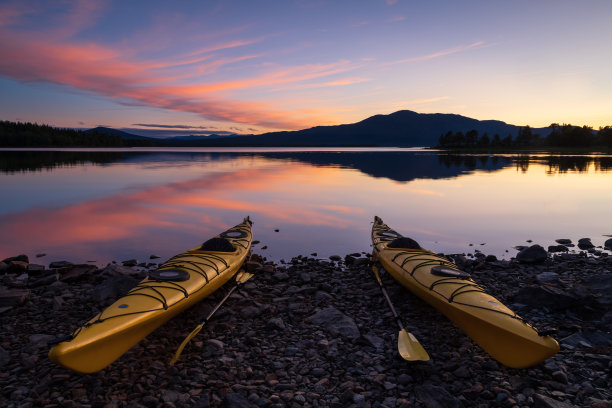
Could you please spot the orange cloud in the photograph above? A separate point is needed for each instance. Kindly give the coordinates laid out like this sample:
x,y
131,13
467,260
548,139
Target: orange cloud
x,y
52,57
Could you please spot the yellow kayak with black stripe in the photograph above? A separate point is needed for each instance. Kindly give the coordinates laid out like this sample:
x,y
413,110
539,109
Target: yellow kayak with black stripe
x,y
174,286
493,326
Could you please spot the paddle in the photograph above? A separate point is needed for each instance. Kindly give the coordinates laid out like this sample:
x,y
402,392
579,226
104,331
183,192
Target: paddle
x,y
408,346
241,277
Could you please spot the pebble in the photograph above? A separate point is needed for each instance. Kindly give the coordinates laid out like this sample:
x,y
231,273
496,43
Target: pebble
x,y
309,333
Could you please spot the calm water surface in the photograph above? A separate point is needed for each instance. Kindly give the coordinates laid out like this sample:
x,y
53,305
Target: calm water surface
x,y
113,204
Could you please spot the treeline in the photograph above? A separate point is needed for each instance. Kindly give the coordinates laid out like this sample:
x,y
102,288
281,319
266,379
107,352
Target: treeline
x,y
565,135
17,134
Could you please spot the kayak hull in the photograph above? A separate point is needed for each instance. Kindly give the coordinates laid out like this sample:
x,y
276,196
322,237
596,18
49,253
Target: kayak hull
x,y
503,334
153,302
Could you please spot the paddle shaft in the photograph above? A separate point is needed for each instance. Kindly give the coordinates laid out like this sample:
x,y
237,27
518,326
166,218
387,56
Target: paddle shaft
x,y
212,312
384,291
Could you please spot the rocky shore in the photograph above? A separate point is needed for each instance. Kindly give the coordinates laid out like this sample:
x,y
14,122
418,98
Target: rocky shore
x,y
308,332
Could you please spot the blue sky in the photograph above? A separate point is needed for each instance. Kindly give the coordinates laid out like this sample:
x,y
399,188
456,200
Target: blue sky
x,y
251,67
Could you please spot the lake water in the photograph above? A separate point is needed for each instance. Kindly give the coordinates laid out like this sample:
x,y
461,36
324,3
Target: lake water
x,y
111,204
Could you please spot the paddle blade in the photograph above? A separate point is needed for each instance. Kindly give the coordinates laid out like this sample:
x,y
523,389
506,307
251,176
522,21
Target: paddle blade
x,y
409,347
243,277
184,343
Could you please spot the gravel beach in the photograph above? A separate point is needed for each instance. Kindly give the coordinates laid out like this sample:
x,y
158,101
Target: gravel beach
x,y
308,332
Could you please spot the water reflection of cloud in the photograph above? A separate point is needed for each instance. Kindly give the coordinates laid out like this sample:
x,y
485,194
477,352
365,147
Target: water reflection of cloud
x,y
203,205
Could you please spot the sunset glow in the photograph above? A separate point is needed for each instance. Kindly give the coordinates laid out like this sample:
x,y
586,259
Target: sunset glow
x,y
244,67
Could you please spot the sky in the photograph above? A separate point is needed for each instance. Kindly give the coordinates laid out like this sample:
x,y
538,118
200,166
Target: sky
x,y
201,67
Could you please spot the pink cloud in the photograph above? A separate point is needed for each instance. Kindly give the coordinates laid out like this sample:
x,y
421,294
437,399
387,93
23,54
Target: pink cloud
x,y
461,48
112,72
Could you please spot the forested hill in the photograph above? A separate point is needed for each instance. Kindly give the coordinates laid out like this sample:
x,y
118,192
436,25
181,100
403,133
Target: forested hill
x,y
403,128
16,134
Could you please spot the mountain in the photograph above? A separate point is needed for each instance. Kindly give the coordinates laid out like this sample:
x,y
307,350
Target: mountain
x,y
403,129
120,133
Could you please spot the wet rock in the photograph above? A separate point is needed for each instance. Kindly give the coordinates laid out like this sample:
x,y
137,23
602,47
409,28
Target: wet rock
x,y
563,241
585,243
335,321
608,244
532,254
20,258
60,264
557,248
335,258
75,273
130,262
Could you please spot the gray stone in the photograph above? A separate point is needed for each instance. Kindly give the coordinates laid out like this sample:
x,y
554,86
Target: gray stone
x,y
563,241
5,357
276,323
113,288
235,400
75,273
560,376
374,341
214,347
250,311
130,262
532,254
542,401
585,243
608,244
60,264
118,270
35,268
548,277
335,321
13,297
41,339
557,248
433,396
21,258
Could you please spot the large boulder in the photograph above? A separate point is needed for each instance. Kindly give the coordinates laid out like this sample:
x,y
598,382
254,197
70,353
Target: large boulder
x,y
585,243
336,322
532,254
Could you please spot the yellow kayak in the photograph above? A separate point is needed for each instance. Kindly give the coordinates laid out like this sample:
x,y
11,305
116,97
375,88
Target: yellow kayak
x,y
176,285
494,327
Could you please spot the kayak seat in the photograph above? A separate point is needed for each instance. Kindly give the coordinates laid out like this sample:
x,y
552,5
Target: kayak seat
x,y
217,245
404,242
449,273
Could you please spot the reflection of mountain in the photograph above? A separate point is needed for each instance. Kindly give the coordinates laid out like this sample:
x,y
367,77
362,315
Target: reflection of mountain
x,y
396,165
